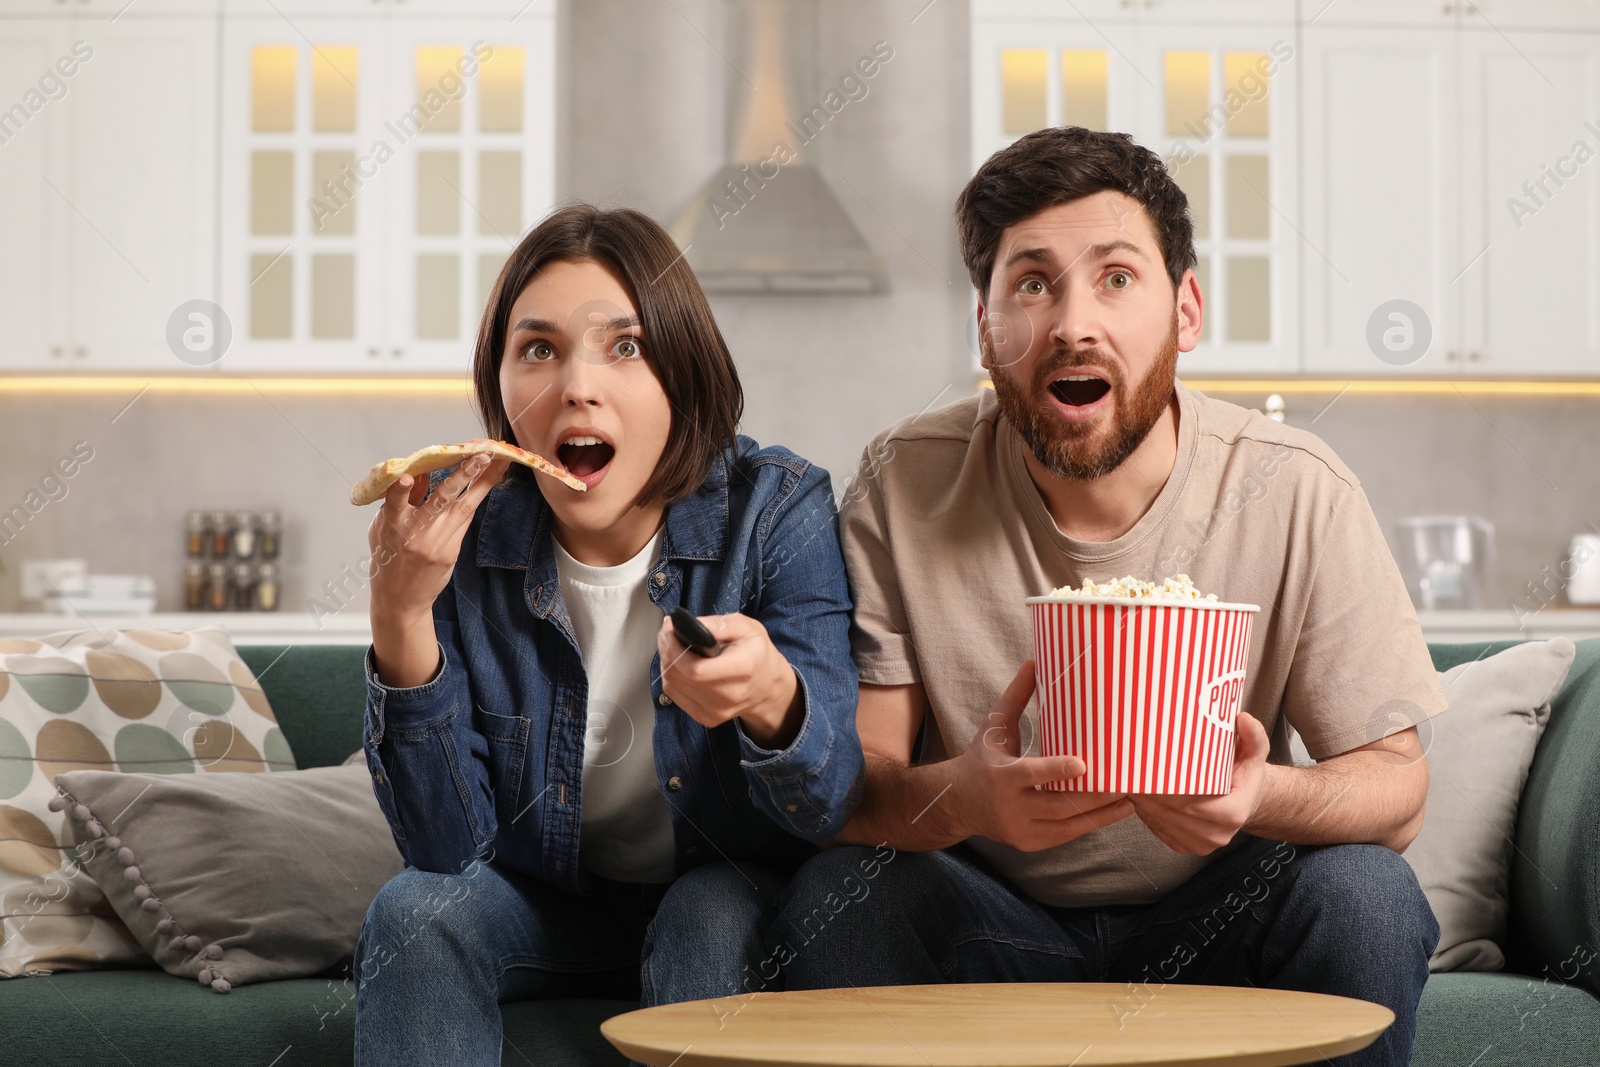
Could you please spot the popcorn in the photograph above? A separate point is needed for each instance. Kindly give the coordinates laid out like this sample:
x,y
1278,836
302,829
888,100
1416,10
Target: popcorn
x,y
1178,587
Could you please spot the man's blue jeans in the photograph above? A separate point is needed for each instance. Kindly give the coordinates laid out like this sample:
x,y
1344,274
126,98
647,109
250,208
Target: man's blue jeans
x,y
438,953
1344,919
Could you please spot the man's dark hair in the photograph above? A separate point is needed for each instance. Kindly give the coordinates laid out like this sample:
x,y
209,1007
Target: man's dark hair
x,y
1062,163
682,341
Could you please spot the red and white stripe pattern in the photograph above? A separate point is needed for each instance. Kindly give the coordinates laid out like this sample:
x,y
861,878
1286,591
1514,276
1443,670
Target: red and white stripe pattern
x,y
1144,693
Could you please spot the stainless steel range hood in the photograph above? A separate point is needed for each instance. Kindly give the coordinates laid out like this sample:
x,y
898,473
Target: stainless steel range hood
x,y
767,222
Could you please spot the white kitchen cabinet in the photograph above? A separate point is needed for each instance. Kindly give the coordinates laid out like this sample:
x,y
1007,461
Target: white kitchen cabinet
x,y
1218,104
303,191
34,130
261,159
493,13
1495,16
1510,16
1531,122
1419,14
1383,194
143,190
108,235
469,183
1427,202
370,186
1392,178
108,9
1212,98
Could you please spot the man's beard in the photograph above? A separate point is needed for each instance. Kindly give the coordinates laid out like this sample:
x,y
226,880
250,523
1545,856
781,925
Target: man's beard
x,y
1082,451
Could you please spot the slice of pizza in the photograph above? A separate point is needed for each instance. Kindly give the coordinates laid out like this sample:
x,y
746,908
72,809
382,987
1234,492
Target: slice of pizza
x,y
438,457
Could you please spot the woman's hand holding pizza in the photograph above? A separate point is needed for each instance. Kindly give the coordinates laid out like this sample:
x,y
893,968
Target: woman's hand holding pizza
x,y
414,543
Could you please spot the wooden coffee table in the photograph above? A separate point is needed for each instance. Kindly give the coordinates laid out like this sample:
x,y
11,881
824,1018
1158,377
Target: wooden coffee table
x,y
1006,1024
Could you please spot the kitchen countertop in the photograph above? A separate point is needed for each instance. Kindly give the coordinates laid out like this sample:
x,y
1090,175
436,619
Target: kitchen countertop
x,y
245,627
303,628
1501,625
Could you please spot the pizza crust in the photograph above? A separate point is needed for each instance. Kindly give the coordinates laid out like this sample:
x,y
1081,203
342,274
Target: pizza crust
x,y
437,457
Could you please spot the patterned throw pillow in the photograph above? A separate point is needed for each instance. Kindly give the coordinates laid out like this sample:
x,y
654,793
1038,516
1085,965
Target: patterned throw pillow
x,y
129,700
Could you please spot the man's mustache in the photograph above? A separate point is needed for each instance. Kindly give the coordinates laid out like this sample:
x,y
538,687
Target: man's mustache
x,y
1061,361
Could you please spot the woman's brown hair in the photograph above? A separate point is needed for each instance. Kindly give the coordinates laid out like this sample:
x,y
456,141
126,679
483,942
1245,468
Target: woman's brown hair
x,y
681,336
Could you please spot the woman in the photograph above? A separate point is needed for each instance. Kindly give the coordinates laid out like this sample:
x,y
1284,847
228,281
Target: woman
x,y
584,808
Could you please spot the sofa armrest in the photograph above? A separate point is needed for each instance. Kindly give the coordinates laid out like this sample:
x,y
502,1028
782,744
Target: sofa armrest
x,y
1555,869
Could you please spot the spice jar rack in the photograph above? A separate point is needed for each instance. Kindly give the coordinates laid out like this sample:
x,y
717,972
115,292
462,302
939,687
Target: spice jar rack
x,y
232,561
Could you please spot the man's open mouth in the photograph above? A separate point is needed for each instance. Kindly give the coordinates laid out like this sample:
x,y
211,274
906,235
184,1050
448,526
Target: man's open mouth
x,y
585,456
1079,390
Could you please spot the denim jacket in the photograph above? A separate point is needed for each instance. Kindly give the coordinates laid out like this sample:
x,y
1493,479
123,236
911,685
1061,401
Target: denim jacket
x,y
487,757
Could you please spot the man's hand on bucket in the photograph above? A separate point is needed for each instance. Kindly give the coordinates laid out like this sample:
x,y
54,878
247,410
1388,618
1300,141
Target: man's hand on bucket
x,y
998,789
1199,825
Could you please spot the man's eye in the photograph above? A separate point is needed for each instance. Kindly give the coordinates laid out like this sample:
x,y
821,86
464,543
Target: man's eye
x,y
539,352
627,348
1032,286
1127,279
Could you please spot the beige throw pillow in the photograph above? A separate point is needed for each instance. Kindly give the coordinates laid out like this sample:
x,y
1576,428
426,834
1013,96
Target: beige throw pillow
x,y
133,700
1478,759
1478,754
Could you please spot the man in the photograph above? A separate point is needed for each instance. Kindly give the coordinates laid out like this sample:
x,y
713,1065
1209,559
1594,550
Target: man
x,y
1089,460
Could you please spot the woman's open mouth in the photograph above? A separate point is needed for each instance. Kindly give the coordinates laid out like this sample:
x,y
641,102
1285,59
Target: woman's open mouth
x,y
1080,396
586,458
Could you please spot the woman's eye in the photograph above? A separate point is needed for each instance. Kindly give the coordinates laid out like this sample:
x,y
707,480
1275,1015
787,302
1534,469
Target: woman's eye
x,y
1032,286
627,348
1127,279
539,352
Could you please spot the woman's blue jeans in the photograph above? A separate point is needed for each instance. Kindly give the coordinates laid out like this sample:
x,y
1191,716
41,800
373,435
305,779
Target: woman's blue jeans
x,y
438,953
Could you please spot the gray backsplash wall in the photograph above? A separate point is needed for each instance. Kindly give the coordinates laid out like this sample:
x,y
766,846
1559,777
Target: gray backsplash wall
x,y
643,124
1530,465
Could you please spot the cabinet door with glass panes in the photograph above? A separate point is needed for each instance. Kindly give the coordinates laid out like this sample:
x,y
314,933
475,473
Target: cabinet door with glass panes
x,y
1210,100
1218,104
357,155
305,181
476,172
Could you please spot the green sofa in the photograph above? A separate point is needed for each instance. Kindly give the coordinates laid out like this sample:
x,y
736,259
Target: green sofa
x,y
1543,1015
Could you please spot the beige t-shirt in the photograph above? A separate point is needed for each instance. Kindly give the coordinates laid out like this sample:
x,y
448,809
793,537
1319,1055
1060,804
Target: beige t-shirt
x,y
945,534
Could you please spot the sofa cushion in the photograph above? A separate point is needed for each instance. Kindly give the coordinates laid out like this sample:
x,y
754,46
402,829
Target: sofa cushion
x,y
319,693
1505,1020
173,703
148,1017
236,878
1555,872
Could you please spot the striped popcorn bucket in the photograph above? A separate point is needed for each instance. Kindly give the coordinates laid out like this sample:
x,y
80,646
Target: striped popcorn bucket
x,y
1143,691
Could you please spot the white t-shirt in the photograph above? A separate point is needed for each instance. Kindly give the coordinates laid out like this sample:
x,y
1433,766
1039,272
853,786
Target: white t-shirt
x,y
626,829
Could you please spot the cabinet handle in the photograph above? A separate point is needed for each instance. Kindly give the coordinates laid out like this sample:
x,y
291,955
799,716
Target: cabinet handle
x,y
372,353
1450,356
396,352
56,352
1474,356
79,351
